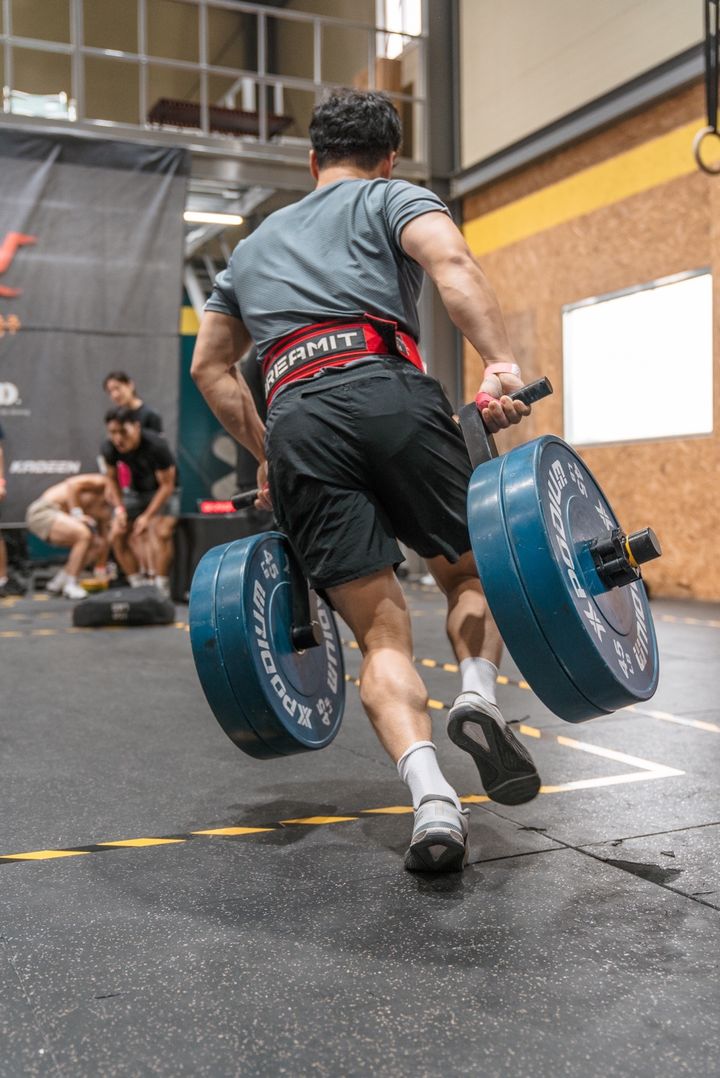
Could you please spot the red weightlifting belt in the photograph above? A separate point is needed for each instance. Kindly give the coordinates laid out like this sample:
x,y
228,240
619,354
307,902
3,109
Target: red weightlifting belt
x,y
333,344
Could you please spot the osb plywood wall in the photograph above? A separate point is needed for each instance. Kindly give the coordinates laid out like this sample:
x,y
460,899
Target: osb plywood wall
x,y
672,226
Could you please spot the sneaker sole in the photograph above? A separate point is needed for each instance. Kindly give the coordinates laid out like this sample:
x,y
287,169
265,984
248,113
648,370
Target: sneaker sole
x,y
423,856
507,771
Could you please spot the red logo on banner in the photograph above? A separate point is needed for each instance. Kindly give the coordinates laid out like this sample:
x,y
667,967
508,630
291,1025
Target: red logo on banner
x,y
8,250
11,325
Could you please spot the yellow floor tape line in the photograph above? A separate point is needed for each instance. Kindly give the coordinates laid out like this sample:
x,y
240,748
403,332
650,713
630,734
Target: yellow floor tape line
x,y
44,855
644,770
136,843
233,831
319,821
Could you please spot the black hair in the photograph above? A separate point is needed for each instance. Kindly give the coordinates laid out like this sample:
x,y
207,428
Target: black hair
x,y
120,415
117,376
362,126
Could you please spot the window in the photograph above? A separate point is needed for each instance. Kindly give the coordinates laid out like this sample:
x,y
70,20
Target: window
x,y
400,17
632,359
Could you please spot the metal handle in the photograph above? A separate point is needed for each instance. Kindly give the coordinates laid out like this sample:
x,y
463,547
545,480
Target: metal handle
x,y
306,631
245,499
533,391
479,440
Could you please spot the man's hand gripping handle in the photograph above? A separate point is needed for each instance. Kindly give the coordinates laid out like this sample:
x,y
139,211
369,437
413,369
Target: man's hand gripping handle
x,y
478,438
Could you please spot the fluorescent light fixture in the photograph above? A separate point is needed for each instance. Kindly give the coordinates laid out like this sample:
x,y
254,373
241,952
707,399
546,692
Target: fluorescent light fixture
x,y
200,217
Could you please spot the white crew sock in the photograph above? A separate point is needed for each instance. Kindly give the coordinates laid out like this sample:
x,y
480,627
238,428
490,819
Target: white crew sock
x,y
70,579
479,675
419,769
136,580
3,581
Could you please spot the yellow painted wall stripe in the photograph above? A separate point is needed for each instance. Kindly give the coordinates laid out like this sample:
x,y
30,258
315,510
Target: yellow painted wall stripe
x,y
189,322
657,161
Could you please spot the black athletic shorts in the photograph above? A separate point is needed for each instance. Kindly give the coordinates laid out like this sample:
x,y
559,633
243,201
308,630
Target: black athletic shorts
x,y
361,458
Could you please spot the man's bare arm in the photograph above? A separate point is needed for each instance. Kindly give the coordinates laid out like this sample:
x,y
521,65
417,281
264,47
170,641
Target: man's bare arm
x,y
114,494
166,485
221,341
436,243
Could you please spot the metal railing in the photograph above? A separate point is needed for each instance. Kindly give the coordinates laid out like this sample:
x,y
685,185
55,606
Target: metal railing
x,y
261,90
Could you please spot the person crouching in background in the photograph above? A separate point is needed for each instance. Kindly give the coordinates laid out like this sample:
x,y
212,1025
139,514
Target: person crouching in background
x,y
76,514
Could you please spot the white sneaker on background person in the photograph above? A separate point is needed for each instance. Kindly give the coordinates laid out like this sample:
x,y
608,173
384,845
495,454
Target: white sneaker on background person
x,y
58,582
72,590
162,584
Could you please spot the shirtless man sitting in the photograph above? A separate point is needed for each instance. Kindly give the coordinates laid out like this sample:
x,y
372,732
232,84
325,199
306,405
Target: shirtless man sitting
x,y
75,513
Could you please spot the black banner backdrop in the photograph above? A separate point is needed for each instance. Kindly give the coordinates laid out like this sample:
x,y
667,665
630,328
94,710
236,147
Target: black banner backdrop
x,y
91,256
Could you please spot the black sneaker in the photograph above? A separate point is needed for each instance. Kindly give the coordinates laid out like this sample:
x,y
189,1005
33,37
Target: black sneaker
x,y
507,771
439,839
13,586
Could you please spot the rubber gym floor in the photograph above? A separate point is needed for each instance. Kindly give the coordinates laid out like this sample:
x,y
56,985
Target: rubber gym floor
x,y
172,907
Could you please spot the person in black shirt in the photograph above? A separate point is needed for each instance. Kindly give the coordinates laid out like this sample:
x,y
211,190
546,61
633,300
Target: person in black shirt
x,y
121,389
146,511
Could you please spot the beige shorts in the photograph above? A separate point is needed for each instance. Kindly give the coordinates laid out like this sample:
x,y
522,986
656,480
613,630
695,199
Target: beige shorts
x,y
40,516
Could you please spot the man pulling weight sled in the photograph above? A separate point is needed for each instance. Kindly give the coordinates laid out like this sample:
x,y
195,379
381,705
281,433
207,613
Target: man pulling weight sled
x,y
361,449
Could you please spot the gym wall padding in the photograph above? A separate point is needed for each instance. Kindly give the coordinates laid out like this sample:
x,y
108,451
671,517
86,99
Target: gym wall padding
x,y
665,226
93,286
198,428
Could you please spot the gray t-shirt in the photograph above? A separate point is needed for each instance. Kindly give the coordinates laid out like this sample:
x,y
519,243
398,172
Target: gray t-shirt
x,y
335,254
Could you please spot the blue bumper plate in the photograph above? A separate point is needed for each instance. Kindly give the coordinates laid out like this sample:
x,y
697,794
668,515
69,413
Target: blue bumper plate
x,y
270,699
585,649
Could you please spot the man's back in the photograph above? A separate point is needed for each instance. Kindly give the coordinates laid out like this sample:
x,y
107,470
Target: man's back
x,y
335,254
